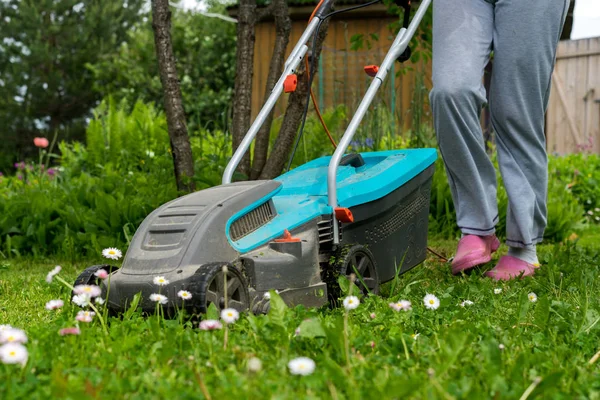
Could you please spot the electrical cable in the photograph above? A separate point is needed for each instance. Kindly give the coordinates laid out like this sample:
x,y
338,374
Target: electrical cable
x,y
312,70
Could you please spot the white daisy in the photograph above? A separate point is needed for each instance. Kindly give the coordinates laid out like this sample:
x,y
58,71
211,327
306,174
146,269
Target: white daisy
x,y
82,300
112,253
99,300
52,273
85,316
159,298
497,291
431,302
230,315
501,346
466,303
301,366
90,290
13,335
351,302
160,281
532,297
254,364
54,304
415,336
184,294
13,353
210,325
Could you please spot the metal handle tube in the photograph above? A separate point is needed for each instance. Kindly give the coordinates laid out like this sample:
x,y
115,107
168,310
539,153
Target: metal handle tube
x,y
398,46
292,62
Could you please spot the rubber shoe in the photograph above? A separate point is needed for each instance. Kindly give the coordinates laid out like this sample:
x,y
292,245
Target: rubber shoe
x,y
473,251
510,267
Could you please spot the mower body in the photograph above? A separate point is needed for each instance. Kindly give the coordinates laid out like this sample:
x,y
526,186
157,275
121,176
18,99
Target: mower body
x,y
243,224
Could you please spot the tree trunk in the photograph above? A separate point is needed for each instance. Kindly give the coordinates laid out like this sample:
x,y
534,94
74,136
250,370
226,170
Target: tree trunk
x,y
283,28
292,118
242,97
180,143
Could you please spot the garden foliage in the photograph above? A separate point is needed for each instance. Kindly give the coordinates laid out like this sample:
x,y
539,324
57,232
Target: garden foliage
x,y
95,196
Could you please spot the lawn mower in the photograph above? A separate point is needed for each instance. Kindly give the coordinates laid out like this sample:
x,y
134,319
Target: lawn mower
x,y
358,214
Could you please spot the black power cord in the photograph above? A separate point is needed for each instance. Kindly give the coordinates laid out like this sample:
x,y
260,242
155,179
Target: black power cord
x,y
313,68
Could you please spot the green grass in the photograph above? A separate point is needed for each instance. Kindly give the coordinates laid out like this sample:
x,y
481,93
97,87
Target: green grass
x,y
457,354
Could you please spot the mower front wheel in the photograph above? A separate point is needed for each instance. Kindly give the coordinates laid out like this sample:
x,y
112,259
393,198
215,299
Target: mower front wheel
x,y
88,277
208,286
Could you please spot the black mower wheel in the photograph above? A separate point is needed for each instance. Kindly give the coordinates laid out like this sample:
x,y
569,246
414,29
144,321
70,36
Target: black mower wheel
x,y
357,260
208,287
87,277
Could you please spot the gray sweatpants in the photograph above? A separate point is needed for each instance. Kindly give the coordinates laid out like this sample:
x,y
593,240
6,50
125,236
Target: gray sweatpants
x,y
523,34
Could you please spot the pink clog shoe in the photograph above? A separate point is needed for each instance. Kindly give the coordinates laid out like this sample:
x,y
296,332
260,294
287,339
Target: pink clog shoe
x,y
510,267
473,251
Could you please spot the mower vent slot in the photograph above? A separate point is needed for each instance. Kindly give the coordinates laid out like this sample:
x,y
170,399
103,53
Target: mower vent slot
x,y
252,221
157,239
325,230
402,216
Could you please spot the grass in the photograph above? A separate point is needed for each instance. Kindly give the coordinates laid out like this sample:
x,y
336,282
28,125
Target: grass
x,y
502,347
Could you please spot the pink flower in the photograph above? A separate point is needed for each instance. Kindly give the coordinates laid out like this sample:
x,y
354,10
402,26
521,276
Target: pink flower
x,y
101,273
54,304
85,316
372,344
210,325
372,315
69,331
40,142
90,290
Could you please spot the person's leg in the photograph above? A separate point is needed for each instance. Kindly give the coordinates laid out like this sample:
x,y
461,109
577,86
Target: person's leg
x,y
462,40
526,34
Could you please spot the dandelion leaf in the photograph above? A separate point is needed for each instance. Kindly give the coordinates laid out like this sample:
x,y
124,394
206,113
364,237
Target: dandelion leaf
x,y
523,307
277,310
212,312
542,312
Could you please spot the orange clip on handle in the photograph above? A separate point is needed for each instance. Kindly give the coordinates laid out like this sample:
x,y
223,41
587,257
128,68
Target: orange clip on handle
x,y
290,83
371,70
344,215
287,238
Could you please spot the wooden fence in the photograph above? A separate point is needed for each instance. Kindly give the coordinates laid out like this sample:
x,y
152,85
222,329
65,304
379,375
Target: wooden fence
x,y
573,116
341,78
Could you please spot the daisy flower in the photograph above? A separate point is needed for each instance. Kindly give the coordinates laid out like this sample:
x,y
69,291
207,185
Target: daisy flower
x,y
160,281
90,290
466,303
431,302
501,346
230,315
415,336
184,294
13,353
301,366
112,253
13,335
254,364
54,304
497,291
372,315
82,300
210,325
351,302
52,273
99,300
402,305
85,316
159,298
532,297
101,273
69,331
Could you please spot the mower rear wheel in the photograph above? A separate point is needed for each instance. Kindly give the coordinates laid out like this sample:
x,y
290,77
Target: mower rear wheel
x,y
209,287
357,260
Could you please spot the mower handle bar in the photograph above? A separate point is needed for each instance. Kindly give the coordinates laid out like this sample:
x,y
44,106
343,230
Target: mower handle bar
x,y
398,46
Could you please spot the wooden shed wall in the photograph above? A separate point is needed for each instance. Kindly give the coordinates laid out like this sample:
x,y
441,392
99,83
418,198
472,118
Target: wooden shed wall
x,y
343,78
573,115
